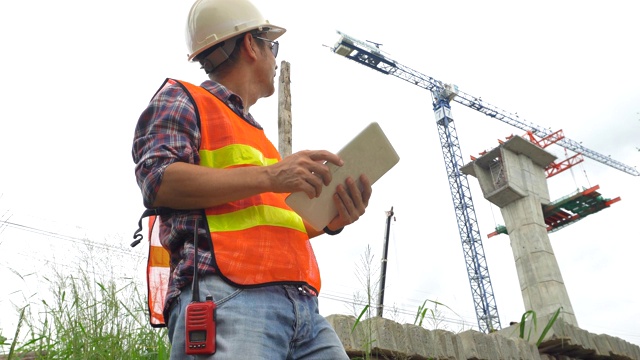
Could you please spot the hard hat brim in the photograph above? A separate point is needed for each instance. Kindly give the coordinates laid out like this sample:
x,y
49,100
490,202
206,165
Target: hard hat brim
x,y
272,33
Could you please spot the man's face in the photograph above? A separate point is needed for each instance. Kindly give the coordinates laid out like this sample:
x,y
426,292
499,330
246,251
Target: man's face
x,y
266,57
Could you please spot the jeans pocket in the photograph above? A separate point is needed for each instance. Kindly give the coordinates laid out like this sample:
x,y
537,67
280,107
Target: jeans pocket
x,y
219,289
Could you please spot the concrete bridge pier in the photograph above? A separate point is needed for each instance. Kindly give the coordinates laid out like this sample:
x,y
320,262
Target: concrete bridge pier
x,y
512,177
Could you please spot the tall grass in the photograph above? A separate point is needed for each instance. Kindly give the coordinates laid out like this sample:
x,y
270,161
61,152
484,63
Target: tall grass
x,y
364,272
87,316
435,316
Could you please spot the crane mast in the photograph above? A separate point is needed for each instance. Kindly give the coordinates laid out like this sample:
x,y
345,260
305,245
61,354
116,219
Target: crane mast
x,y
476,264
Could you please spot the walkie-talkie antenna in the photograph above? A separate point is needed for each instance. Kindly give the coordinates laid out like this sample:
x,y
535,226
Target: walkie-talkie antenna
x,y
195,288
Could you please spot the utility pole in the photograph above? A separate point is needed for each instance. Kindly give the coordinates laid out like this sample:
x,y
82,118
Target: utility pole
x,y
383,273
284,110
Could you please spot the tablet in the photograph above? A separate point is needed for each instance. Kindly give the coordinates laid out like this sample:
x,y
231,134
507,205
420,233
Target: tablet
x,y
369,153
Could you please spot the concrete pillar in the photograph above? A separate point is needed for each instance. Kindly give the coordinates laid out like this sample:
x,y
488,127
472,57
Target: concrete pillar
x,y
512,177
284,110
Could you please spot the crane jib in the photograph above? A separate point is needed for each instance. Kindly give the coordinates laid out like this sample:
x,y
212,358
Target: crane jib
x,y
374,58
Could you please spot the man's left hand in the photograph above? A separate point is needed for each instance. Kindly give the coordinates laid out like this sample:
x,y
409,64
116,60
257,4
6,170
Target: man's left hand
x,y
351,201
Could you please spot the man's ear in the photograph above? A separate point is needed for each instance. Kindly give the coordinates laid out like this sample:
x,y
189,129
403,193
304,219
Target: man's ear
x,y
250,46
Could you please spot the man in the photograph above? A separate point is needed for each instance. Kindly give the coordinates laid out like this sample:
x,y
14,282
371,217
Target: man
x,y
201,156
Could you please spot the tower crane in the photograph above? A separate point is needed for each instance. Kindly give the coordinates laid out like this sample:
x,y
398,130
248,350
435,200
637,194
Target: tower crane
x,y
442,95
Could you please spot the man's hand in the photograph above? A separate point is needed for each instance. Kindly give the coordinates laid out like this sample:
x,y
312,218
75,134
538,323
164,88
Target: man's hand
x,y
303,171
350,201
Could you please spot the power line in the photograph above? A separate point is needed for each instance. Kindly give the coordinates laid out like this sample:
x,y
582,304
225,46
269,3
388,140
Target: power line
x,y
69,238
394,309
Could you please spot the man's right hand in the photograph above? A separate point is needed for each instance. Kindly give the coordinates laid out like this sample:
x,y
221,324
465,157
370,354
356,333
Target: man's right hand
x,y
303,171
189,186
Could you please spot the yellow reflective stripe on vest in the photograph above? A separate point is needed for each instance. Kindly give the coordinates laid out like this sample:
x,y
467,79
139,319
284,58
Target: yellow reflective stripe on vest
x,y
234,155
255,216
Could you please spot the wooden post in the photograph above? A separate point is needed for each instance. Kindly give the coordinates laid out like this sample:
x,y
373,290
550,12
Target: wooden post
x,y
383,274
284,110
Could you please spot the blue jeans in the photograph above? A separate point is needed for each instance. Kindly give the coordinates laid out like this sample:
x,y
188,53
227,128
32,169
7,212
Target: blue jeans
x,y
272,322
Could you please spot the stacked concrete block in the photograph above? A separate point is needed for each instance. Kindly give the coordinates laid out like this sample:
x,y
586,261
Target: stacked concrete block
x,y
570,341
448,345
389,340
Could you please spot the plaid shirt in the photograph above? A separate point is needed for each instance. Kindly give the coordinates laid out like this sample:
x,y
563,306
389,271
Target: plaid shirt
x,y
167,132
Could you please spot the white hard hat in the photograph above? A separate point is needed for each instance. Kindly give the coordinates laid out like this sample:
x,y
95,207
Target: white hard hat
x,y
211,22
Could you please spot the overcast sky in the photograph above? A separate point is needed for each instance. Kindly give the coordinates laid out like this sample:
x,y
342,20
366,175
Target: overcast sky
x,y
78,74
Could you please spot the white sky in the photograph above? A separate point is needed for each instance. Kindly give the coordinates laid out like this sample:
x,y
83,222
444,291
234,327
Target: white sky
x,y
77,76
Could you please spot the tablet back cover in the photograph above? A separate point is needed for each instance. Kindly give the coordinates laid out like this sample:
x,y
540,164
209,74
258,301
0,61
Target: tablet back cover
x,y
369,153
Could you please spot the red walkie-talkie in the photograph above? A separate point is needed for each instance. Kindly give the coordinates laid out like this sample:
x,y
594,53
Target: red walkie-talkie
x,y
200,321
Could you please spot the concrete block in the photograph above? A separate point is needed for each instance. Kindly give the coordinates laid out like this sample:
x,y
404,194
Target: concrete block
x,y
602,345
507,347
469,345
623,348
584,338
385,335
342,324
449,346
486,346
527,350
418,342
626,349
614,342
457,346
635,352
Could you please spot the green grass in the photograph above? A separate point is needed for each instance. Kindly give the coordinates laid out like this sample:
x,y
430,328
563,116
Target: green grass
x,y
88,318
534,325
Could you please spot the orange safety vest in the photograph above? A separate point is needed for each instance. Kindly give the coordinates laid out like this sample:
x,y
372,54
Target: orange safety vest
x,y
257,240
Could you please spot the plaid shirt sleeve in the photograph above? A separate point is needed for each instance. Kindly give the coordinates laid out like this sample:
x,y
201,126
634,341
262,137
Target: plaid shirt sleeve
x,y
167,132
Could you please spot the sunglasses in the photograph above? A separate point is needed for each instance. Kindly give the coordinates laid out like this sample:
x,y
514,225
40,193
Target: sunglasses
x,y
274,45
